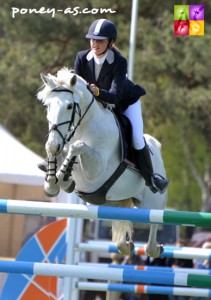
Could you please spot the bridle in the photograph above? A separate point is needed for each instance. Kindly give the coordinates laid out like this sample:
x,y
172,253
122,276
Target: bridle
x,y
71,131
75,110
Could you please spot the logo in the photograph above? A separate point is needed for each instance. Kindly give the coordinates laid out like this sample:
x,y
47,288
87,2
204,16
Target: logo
x,y
189,19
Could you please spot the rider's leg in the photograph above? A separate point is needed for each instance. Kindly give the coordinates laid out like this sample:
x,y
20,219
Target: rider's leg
x,y
141,150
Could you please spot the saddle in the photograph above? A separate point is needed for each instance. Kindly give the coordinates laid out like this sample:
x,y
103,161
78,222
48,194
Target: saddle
x,y
125,131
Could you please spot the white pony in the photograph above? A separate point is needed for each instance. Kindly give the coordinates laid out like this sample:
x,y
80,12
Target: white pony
x,y
84,154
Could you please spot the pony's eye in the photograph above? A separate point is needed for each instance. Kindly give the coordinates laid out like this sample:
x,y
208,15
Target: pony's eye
x,y
69,106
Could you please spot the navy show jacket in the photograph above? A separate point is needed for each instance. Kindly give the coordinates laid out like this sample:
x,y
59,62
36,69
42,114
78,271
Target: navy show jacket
x,y
115,87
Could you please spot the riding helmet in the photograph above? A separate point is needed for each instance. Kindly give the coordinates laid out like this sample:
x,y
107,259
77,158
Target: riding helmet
x,y
102,29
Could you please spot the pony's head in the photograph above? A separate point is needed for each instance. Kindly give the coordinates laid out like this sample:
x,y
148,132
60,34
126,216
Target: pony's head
x,y
65,79
61,95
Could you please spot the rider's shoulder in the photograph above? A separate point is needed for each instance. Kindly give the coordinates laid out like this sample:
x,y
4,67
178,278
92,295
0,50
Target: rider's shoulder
x,y
118,58
118,54
83,53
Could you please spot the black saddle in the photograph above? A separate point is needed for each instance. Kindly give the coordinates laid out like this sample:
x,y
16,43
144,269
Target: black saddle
x,y
126,136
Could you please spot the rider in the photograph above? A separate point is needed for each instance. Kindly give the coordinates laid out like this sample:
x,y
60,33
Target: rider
x,y
106,71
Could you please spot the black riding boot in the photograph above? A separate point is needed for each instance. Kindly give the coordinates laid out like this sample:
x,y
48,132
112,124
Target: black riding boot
x,y
156,182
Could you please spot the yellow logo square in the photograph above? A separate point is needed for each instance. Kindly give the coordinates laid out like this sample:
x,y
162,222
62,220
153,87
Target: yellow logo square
x,y
196,27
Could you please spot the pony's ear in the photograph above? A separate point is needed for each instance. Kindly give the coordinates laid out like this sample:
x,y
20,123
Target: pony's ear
x,y
73,80
44,78
47,80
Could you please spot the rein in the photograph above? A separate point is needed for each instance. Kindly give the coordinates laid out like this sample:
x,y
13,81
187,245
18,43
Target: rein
x,y
76,109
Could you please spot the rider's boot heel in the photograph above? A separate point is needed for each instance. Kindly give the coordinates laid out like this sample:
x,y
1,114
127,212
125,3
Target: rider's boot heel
x,y
154,181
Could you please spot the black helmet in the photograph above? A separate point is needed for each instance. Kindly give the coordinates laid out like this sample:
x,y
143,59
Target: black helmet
x,y
102,29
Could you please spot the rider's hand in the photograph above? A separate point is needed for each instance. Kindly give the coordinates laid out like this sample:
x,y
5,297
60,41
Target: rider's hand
x,y
94,89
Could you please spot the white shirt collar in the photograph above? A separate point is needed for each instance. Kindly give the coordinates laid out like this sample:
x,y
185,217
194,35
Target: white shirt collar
x,y
109,56
100,60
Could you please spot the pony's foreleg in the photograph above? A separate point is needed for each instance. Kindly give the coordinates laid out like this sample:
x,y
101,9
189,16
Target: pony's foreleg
x,y
88,159
64,176
152,248
51,187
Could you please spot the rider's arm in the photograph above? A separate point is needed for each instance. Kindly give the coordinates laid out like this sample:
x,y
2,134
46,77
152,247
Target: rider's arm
x,y
114,94
77,66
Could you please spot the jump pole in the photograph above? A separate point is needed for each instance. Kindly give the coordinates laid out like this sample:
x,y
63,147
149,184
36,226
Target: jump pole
x,y
143,289
122,275
183,252
149,268
105,212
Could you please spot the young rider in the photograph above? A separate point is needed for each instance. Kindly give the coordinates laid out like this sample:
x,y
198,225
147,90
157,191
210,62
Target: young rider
x,y
105,69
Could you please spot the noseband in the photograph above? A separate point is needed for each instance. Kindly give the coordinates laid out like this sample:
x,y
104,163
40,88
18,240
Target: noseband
x,y
75,110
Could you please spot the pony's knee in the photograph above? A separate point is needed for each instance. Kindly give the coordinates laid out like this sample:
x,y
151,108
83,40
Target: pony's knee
x,y
77,148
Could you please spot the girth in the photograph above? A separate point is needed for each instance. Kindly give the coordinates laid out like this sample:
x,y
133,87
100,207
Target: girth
x,y
99,197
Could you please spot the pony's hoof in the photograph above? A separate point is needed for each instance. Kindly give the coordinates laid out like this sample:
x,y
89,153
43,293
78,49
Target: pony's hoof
x,y
157,252
67,186
51,195
125,248
71,188
53,192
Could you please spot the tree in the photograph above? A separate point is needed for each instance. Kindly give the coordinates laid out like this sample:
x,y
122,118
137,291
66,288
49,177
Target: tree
x,y
176,72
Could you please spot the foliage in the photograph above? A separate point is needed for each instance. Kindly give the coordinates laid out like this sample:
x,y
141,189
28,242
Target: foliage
x,y
176,72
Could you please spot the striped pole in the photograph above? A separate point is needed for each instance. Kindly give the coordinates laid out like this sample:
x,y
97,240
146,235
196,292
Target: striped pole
x,y
105,212
149,268
122,275
144,289
180,252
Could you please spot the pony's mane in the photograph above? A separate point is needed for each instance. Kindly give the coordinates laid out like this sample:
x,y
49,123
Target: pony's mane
x,y
62,79
64,76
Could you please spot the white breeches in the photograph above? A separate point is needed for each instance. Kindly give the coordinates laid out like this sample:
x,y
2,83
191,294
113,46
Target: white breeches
x,y
134,114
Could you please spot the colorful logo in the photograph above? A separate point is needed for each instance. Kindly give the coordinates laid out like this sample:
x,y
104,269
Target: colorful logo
x,y
189,19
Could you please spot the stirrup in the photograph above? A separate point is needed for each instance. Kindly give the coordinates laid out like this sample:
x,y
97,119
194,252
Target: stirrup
x,y
162,188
